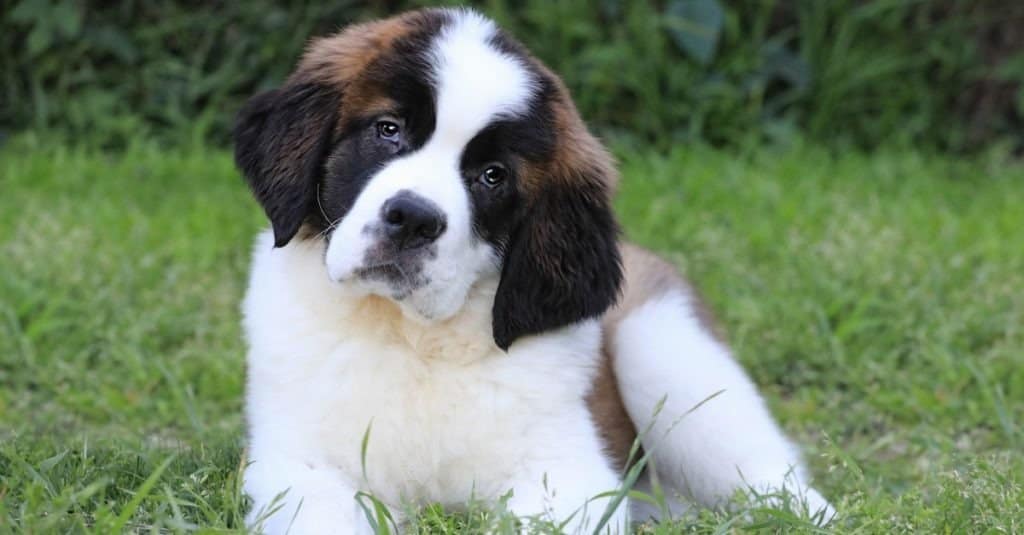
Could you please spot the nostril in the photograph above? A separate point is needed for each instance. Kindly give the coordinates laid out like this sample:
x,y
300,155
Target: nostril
x,y
394,216
432,229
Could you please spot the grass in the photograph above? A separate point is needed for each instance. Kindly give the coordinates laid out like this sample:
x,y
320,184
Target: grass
x,y
875,298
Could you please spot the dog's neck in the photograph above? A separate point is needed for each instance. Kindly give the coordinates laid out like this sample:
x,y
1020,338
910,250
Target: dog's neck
x,y
292,306
295,281
464,338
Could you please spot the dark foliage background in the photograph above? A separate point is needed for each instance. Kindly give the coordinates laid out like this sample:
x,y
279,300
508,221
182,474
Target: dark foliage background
x,y
945,74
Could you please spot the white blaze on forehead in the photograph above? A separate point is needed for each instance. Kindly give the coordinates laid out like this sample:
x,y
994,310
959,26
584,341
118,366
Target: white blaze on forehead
x,y
475,82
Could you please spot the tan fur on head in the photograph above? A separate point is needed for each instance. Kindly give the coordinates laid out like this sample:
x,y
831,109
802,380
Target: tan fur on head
x,y
341,57
341,60
576,148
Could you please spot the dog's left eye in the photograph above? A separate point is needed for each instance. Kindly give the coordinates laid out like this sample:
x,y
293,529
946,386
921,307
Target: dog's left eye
x,y
494,175
388,130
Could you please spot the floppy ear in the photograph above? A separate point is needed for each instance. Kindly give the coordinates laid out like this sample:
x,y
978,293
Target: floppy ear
x,y
281,139
562,264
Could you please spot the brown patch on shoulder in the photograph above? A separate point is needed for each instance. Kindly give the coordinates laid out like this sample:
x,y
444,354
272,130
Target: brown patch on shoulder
x,y
614,426
646,276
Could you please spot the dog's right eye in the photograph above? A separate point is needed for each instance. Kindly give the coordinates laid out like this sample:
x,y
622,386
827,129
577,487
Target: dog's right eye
x,y
494,175
388,130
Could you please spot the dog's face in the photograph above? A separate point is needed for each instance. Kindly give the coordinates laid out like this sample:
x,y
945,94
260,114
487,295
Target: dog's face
x,y
429,152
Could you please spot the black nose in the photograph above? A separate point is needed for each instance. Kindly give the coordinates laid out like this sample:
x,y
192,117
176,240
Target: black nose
x,y
412,221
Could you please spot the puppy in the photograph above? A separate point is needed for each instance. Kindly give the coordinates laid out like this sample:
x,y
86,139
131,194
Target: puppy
x,y
443,310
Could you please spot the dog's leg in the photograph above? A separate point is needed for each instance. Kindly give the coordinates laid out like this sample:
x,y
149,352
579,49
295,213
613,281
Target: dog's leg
x,y
315,500
565,488
713,434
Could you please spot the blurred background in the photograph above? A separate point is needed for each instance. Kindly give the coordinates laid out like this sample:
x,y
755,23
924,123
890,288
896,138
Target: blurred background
x,y
943,74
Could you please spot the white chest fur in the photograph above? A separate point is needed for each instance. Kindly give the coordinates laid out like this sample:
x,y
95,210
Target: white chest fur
x,y
450,416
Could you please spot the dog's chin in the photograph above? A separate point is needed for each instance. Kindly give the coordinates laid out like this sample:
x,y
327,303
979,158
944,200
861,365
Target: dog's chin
x,y
420,300
388,280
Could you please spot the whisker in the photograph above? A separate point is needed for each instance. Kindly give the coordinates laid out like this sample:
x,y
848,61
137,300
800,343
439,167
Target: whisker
x,y
319,204
331,225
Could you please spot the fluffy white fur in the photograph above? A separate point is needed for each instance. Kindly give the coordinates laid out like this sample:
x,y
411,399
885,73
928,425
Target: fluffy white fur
x,y
451,417
713,433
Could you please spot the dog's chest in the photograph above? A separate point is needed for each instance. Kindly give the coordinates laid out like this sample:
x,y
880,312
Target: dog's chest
x,y
433,430
445,414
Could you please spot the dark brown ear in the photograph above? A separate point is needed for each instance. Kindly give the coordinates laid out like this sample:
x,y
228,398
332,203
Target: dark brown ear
x,y
281,139
562,264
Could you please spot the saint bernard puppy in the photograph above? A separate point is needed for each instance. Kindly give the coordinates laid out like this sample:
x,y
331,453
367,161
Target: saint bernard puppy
x,y
443,311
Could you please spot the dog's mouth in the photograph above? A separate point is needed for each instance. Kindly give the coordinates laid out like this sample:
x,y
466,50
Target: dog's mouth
x,y
389,271
391,279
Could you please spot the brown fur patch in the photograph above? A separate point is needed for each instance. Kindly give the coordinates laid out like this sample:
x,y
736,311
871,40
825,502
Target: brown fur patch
x,y
647,276
578,155
340,58
577,148
604,401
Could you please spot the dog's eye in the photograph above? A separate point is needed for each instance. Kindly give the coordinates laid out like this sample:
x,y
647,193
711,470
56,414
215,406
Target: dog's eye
x,y
494,175
388,130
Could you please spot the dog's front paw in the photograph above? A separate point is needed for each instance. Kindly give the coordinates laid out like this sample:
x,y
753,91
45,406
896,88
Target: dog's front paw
x,y
313,517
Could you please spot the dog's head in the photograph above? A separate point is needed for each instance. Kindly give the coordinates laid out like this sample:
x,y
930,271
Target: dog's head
x,y
429,152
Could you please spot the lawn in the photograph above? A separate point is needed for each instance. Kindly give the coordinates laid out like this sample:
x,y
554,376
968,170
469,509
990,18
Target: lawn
x,y
877,299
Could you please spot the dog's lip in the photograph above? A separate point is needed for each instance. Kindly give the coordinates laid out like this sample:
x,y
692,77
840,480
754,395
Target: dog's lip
x,y
389,270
